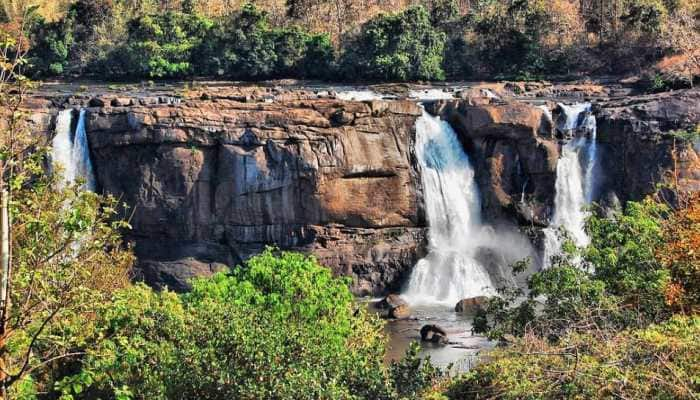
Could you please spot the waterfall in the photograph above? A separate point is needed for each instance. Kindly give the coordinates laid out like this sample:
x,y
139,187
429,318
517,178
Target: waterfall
x,y
450,271
71,151
576,178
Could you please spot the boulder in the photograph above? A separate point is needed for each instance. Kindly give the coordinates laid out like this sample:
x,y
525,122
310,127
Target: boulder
x,y
506,120
391,301
433,334
400,312
96,102
471,305
121,102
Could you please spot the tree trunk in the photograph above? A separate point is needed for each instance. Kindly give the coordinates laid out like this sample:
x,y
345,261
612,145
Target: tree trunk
x,y
4,285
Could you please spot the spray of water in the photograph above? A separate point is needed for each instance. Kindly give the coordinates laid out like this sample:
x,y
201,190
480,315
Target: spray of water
x,y
576,178
450,271
71,151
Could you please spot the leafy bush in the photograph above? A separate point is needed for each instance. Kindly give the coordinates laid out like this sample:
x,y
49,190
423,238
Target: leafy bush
x,y
159,46
52,42
278,327
402,46
583,331
245,46
614,283
67,256
413,376
681,257
659,362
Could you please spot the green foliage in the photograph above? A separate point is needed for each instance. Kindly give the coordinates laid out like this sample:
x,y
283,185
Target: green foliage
x,y
52,42
622,252
686,135
435,39
67,256
159,46
659,362
510,35
613,283
412,375
443,11
402,46
277,327
247,47
583,331
645,15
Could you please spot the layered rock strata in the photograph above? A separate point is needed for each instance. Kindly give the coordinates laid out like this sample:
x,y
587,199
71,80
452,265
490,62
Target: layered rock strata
x,y
212,178
212,182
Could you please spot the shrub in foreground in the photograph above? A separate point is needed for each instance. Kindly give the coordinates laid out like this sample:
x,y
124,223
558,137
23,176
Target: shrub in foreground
x,y
280,327
658,362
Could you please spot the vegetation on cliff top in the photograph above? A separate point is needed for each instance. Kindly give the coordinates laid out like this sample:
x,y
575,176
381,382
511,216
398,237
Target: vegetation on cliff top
x,y
368,39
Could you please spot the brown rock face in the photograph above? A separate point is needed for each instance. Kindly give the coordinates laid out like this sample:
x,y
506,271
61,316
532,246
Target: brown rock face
x,y
213,179
515,158
210,183
637,136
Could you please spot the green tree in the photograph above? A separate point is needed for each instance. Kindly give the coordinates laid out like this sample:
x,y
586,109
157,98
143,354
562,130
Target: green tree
x,y
277,327
402,46
50,54
61,252
614,283
161,45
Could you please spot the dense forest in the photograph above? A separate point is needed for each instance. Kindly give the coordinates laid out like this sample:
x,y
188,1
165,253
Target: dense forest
x,y
617,318
354,40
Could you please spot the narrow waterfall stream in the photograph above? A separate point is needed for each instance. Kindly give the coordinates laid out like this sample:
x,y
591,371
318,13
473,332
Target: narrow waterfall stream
x,y
450,271
576,178
71,150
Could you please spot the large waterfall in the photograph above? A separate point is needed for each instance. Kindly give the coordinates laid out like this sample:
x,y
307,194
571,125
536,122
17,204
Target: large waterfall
x,y
450,271
576,178
71,151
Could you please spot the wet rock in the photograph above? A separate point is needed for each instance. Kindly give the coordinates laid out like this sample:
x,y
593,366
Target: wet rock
x,y
391,301
433,334
121,102
395,306
400,312
471,305
96,102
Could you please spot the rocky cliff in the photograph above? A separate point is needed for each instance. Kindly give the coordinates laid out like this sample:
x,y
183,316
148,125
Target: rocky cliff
x,y
212,177
212,182
515,147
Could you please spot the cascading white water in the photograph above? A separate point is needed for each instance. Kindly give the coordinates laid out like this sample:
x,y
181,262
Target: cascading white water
x,y
576,178
358,95
71,151
450,271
